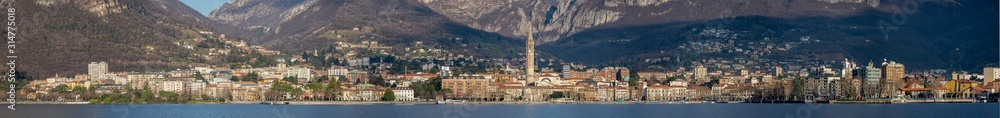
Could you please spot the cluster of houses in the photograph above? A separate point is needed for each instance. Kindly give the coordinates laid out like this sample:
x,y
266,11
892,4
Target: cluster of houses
x,y
215,83
578,84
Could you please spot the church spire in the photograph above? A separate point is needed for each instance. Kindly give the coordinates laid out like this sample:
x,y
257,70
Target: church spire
x,y
530,57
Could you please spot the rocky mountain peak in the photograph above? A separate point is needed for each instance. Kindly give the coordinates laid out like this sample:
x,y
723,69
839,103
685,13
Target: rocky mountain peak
x,y
560,18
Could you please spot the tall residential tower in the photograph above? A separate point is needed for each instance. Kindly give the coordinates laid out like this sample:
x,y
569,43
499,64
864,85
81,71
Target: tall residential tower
x,y
97,69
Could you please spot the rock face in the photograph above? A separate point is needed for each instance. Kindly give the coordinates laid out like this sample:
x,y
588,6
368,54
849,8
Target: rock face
x,y
555,19
259,13
284,19
296,25
97,7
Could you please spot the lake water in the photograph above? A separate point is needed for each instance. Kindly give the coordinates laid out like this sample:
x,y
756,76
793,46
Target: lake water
x,y
953,110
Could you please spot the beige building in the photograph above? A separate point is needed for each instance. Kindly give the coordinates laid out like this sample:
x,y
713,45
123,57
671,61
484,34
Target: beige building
x,y
892,78
701,73
893,71
653,75
990,74
465,87
610,72
665,93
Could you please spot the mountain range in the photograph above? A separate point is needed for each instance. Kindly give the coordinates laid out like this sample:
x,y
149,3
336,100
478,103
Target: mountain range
x,y
152,34
952,34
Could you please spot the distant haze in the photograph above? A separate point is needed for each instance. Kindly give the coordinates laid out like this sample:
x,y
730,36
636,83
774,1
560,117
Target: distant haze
x,y
204,6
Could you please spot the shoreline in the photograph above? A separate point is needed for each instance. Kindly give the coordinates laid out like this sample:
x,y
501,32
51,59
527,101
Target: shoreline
x,y
480,103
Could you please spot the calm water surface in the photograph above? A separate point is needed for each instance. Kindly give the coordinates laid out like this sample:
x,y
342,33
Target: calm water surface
x,y
964,110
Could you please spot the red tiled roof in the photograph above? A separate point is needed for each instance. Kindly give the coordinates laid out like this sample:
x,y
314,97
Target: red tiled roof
x,y
978,89
942,88
665,86
915,89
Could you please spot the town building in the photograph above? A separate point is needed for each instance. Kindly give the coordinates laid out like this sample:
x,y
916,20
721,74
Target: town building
x,y
529,64
403,94
465,87
871,80
97,69
300,72
337,71
990,74
892,77
701,73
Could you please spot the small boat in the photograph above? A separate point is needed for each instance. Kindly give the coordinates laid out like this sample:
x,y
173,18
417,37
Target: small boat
x,y
451,102
898,100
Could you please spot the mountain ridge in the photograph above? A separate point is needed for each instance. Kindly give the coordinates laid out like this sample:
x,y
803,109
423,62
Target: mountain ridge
x,y
393,22
853,25
60,37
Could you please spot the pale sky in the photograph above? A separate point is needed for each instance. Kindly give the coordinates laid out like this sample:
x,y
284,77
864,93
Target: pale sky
x,y
205,6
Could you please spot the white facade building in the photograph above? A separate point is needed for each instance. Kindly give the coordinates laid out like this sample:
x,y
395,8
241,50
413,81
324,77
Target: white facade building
x,y
403,94
300,72
337,71
176,86
97,69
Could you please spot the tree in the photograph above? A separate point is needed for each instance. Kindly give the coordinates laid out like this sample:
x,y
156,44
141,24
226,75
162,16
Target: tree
x,y
421,89
285,88
95,101
62,88
798,84
78,89
170,97
322,78
146,96
291,79
252,76
436,83
388,95
378,80
711,83
333,89
633,81
315,88
234,78
305,56
670,79
634,75
427,88
848,88
435,70
557,94
618,75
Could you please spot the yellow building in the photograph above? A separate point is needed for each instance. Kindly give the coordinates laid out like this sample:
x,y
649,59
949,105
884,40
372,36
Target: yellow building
x,y
961,88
